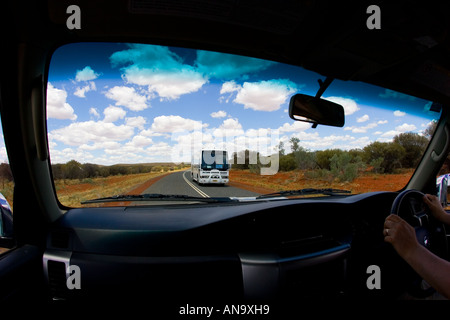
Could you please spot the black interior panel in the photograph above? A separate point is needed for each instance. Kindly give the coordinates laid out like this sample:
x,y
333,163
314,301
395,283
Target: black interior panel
x,y
210,252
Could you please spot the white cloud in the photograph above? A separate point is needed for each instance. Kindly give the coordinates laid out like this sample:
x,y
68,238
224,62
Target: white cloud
x,y
57,107
399,113
100,145
219,114
265,95
360,142
86,74
426,125
127,97
94,112
113,114
172,123
406,127
81,92
139,141
159,149
294,126
390,134
3,155
194,138
166,84
229,86
158,68
261,132
382,122
350,105
67,154
316,142
361,129
398,130
364,118
79,133
229,128
137,122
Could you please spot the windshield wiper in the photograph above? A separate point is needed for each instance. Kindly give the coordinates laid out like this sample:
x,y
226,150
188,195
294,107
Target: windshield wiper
x,y
306,191
156,197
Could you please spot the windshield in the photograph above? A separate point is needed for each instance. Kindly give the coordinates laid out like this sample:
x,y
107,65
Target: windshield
x,y
214,159
130,119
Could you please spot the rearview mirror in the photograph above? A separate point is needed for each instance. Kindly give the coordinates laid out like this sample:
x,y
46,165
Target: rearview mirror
x,y
316,111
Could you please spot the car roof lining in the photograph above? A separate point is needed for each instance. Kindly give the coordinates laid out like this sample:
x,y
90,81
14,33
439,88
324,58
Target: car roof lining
x,y
323,36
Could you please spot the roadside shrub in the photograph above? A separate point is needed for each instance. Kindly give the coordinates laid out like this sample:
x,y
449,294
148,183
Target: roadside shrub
x,y
323,157
242,160
287,162
87,180
255,168
344,167
319,174
391,152
304,159
377,165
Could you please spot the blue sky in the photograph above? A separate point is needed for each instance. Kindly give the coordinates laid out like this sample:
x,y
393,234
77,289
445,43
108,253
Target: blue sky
x,y
111,103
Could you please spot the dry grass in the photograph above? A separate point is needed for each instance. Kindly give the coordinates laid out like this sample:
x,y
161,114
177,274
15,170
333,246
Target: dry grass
x,y
72,192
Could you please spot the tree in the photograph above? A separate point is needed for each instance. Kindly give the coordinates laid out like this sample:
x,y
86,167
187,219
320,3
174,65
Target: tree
x,y
414,145
281,150
242,159
73,170
295,144
392,153
5,173
90,170
58,172
429,131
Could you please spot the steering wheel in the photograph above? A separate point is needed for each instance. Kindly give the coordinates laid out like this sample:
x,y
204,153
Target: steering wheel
x,y
430,232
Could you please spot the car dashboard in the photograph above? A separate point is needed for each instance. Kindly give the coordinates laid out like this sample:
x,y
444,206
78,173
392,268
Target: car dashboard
x,y
316,248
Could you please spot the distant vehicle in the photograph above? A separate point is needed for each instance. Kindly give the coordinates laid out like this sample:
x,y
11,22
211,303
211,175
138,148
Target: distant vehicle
x,y
6,219
210,166
441,188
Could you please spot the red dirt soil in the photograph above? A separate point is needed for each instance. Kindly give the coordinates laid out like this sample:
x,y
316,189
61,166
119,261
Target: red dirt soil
x,y
366,182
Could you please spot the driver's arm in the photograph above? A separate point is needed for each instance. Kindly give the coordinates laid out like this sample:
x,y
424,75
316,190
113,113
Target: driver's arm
x,y
436,208
431,268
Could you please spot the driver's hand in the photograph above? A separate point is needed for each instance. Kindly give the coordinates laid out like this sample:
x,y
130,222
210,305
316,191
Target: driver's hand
x,y
436,208
401,235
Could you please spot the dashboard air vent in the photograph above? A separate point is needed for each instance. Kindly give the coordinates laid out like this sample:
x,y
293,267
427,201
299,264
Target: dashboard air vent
x,y
57,279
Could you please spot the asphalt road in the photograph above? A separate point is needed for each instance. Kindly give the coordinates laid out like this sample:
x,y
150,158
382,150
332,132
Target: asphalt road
x,y
181,183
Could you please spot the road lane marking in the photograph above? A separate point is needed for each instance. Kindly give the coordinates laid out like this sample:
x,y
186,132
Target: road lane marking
x,y
204,195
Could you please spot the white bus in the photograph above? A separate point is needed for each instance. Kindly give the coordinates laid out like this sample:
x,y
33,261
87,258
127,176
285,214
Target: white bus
x,y
210,166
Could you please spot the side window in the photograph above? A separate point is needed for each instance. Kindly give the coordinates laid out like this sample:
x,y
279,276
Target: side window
x,y
6,199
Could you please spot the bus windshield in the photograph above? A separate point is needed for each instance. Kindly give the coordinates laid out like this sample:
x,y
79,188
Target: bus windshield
x,y
212,159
